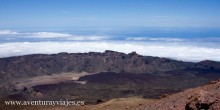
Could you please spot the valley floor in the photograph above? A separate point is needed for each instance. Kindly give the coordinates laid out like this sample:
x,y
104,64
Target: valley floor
x,y
206,97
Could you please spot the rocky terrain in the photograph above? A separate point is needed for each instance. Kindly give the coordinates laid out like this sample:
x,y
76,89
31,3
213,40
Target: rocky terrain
x,y
92,62
201,98
95,77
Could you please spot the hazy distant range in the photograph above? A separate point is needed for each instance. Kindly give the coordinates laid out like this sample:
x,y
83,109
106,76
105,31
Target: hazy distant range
x,y
188,44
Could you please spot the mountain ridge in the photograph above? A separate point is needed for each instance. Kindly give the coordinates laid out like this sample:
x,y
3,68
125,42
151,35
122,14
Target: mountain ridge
x,y
92,62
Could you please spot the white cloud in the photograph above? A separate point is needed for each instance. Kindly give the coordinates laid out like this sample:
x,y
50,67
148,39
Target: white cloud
x,y
154,39
87,38
67,37
51,35
47,35
180,52
7,32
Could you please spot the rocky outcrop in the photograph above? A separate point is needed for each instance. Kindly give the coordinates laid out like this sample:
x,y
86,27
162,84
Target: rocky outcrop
x,y
200,98
212,65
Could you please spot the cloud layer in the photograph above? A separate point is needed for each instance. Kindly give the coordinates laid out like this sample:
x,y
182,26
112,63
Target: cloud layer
x,y
155,39
21,43
7,32
12,35
180,52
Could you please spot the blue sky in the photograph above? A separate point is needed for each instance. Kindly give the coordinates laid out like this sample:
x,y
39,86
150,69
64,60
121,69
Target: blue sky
x,y
109,13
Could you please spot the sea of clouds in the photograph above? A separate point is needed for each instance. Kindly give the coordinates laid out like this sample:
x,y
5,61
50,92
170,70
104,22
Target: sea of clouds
x,y
175,48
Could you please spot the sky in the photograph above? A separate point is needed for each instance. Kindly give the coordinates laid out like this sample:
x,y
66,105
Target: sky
x,y
109,13
186,30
